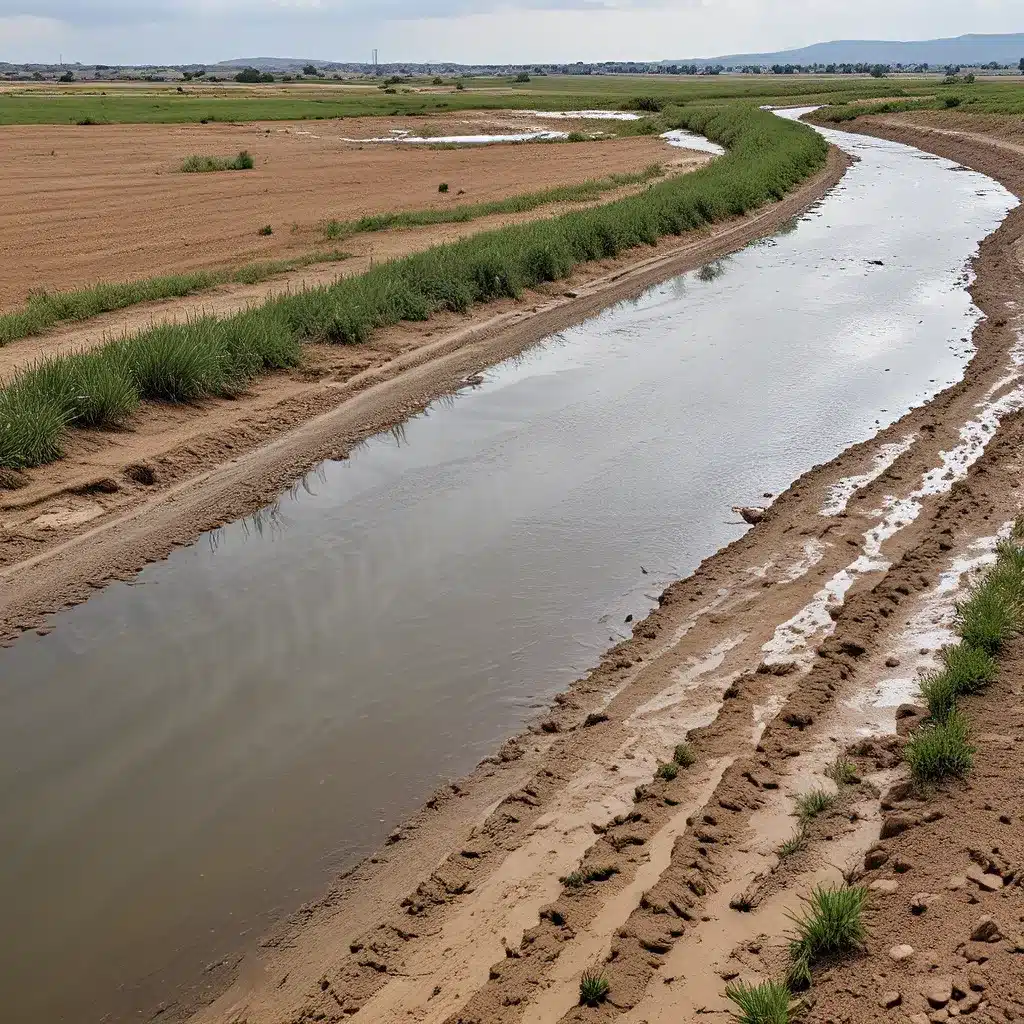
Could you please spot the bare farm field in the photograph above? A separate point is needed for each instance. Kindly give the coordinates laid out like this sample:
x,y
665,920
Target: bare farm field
x,y
84,204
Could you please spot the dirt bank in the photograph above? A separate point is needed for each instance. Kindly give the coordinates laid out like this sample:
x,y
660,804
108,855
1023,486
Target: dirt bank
x,y
121,499
770,660
93,203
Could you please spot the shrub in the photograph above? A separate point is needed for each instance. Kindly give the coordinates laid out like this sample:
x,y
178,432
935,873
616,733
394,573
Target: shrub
x,y
266,231
574,880
951,101
667,771
648,104
684,756
767,1003
594,987
990,615
522,77
940,750
969,669
940,694
208,164
443,187
831,925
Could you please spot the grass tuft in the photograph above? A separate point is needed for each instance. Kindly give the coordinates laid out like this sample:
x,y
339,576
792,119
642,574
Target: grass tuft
x,y
831,925
667,771
684,756
809,805
940,694
574,880
842,772
794,844
991,615
767,1003
594,987
940,750
209,164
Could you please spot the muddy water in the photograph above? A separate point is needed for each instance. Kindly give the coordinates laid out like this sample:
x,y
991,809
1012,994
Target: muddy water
x,y
184,757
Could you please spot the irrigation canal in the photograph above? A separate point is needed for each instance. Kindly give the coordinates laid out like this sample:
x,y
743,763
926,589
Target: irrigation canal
x,y
186,757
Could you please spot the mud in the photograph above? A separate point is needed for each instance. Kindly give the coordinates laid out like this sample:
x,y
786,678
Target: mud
x,y
698,892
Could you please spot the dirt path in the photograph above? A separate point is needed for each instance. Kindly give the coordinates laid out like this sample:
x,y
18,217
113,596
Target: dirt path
x,y
364,251
121,499
778,653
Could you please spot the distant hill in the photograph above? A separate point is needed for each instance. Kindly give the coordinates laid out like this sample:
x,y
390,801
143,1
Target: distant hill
x,y
964,50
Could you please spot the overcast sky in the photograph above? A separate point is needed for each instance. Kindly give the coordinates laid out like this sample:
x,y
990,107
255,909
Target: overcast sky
x,y
467,31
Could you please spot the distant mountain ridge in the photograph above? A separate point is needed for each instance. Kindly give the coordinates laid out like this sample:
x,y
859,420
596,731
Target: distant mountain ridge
x,y
964,50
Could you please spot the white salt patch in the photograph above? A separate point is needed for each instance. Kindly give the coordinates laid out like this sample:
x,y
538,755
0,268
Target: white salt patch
x,y
793,636
586,115
842,491
814,552
683,139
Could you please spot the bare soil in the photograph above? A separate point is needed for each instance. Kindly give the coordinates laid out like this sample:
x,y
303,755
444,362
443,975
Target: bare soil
x,y
472,916
84,204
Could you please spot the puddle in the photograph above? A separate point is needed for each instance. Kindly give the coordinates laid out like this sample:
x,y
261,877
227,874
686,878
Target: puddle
x,y
182,761
683,139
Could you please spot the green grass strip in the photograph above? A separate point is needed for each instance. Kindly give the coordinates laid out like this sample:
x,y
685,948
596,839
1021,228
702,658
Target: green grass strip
x,y
767,156
46,310
586,191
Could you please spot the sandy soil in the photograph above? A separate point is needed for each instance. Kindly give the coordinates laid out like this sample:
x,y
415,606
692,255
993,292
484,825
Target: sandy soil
x,y
120,499
781,651
105,202
363,251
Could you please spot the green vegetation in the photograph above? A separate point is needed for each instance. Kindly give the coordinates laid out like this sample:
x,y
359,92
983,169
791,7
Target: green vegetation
x,y
684,756
842,772
992,613
266,231
809,805
443,187
208,164
584,192
794,844
550,92
767,156
941,749
594,987
667,771
831,925
101,388
574,880
45,310
767,1003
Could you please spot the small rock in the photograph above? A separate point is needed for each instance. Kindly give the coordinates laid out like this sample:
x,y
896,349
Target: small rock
x,y
938,991
978,982
938,1016
901,865
892,662
900,953
970,1002
751,516
890,999
921,902
897,824
957,882
887,886
919,1018
629,618
976,952
876,857
983,880
1016,942
986,930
